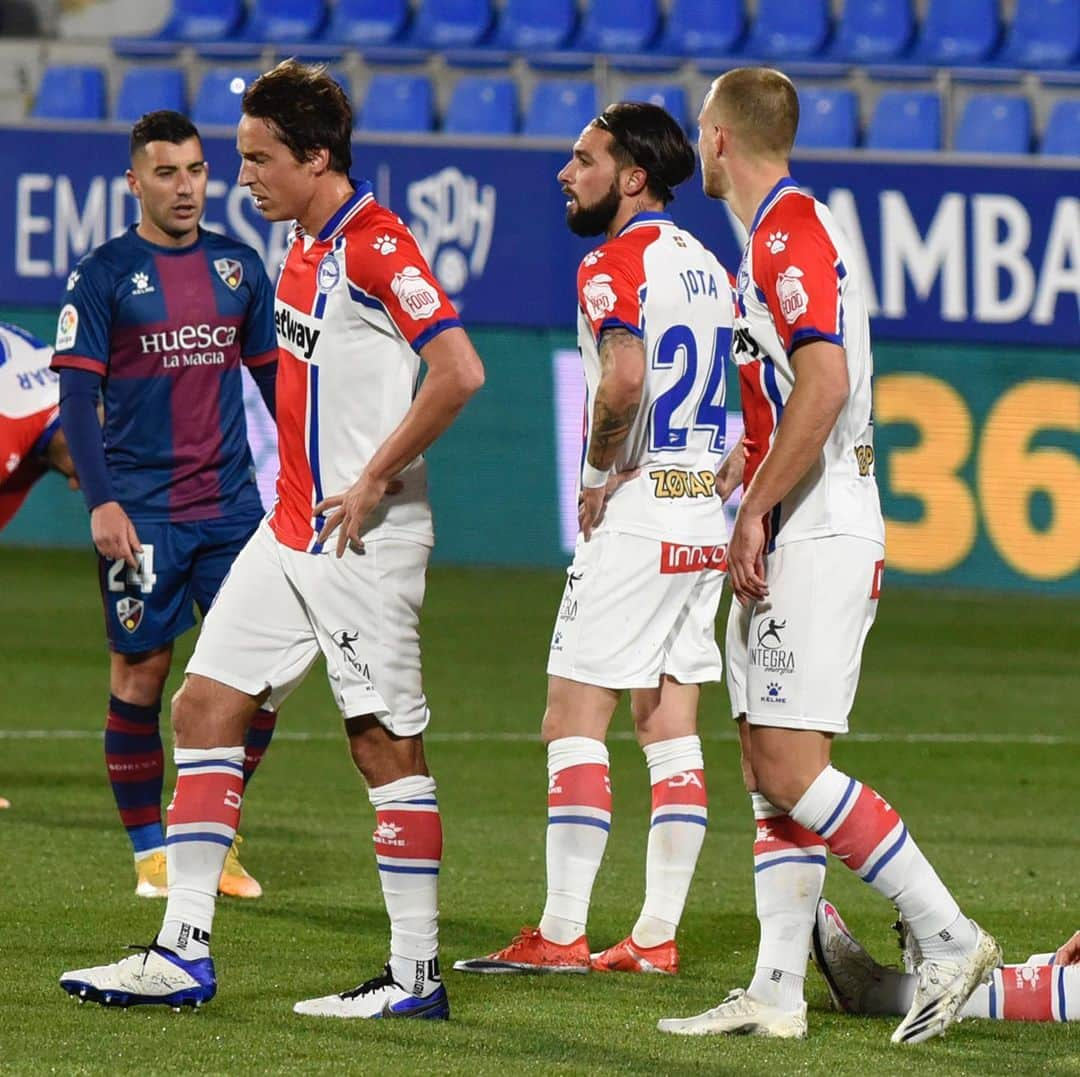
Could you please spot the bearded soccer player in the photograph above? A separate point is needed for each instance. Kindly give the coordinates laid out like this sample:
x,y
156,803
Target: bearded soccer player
x,y
157,323
638,611
1046,987
337,568
806,558
31,440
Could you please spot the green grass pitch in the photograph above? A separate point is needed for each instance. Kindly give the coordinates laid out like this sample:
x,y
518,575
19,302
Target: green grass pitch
x,y
966,719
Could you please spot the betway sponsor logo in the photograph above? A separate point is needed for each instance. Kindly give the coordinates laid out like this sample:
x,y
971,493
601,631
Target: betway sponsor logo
x,y
675,557
292,329
188,337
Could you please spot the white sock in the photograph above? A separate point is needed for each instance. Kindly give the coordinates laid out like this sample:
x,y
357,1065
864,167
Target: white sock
x,y
789,873
862,829
579,818
201,824
676,834
408,849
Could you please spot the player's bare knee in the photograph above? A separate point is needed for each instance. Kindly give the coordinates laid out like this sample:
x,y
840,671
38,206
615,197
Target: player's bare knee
x,y
139,679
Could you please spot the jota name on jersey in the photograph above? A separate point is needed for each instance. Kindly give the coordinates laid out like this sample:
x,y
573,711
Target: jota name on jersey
x,y
699,283
290,328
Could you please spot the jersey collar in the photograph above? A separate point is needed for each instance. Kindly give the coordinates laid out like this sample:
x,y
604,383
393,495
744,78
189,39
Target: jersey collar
x,y
766,203
644,218
361,196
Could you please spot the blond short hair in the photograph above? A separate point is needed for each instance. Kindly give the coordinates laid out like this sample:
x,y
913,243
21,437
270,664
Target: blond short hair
x,y
761,105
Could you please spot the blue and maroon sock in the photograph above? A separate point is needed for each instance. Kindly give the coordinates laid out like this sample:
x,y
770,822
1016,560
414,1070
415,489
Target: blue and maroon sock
x,y
257,741
136,765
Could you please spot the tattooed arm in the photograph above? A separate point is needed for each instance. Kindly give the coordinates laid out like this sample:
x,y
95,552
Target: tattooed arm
x,y
618,397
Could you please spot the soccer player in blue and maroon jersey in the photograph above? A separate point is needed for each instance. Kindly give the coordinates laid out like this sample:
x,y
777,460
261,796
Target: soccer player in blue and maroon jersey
x,y
157,323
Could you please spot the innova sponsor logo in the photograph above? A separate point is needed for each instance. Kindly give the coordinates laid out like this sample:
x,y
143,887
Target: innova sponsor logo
x,y
676,558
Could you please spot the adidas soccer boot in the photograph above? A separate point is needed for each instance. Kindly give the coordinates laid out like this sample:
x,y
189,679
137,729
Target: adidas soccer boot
x,y
741,1015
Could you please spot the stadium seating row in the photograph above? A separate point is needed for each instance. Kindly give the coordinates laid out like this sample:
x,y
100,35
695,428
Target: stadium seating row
x,y
910,120
1040,33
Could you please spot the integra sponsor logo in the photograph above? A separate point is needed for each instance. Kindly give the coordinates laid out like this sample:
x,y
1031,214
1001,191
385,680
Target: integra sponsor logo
x,y
295,332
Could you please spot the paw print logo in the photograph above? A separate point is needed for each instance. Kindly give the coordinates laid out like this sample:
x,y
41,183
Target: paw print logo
x,y
384,244
774,690
593,257
777,242
142,283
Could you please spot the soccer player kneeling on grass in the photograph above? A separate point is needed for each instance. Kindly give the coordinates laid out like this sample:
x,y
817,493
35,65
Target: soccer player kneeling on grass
x,y
806,557
639,607
356,309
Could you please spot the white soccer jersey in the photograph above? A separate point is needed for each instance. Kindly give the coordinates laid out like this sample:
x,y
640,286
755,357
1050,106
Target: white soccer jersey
x,y
797,282
662,285
353,305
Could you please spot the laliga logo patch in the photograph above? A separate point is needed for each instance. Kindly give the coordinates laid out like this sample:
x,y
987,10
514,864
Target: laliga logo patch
x,y
329,273
67,327
417,297
792,295
130,611
230,271
599,295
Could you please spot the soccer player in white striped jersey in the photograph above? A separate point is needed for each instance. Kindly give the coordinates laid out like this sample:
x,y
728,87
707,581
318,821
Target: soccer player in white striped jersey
x,y
639,607
806,558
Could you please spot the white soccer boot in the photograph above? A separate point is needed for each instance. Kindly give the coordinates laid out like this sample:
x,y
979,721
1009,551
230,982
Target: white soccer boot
x,y
849,971
381,996
155,976
741,1015
943,987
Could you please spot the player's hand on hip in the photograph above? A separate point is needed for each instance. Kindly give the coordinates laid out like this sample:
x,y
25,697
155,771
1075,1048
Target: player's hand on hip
x,y
746,559
114,534
1069,954
591,509
352,508
729,475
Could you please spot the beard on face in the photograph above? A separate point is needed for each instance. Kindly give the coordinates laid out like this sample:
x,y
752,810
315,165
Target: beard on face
x,y
593,220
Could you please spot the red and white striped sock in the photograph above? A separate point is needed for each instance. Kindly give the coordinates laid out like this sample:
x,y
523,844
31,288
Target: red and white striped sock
x,y
408,847
201,824
676,834
579,818
1030,992
789,873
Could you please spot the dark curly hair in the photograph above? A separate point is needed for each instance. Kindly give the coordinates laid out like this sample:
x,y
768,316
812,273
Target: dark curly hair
x,y
308,110
650,137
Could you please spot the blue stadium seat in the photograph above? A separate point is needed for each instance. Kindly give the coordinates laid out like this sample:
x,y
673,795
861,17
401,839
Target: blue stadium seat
x,y
146,89
703,28
451,24
667,95
70,93
398,103
482,106
218,98
285,21
958,32
192,22
789,31
873,31
828,120
1062,135
906,120
536,24
994,123
1043,33
560,108
366,22
619,26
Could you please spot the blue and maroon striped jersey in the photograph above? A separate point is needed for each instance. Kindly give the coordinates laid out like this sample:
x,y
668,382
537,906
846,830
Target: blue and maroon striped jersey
x,y
168,330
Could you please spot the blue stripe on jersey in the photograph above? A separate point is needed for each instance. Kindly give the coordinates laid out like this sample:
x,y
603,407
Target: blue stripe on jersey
x,y
359,296
618,323
768,200
433,331
320,304
313,447
802,336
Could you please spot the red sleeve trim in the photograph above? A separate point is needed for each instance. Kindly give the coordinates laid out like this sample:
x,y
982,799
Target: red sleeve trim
x,y
78,362
261,359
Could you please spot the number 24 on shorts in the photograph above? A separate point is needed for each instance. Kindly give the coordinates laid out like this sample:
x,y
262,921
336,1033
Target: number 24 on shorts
x,y
142,577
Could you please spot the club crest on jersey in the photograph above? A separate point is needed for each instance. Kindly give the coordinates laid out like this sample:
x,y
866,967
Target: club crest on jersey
x,y
329,273
142,284
792,295
67,326
599,296
230,271
417,296
129,611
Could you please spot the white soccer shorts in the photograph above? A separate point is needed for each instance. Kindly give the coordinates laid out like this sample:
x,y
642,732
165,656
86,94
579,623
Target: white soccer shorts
x,y
793,660
635,608
278,608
